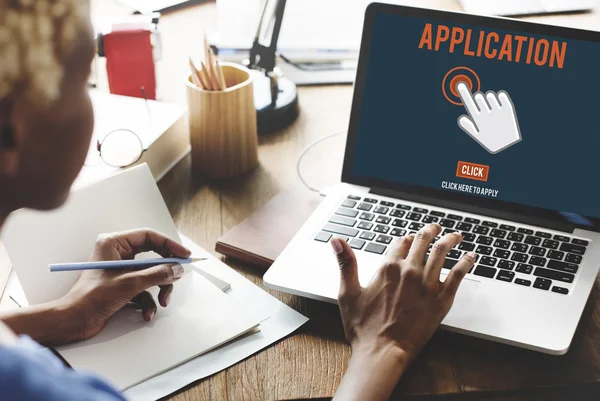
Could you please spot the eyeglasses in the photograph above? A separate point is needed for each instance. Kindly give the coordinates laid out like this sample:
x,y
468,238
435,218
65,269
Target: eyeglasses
x,y
119,148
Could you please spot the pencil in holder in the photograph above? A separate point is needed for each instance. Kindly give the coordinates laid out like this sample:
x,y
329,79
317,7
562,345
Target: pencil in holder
x,y
223,131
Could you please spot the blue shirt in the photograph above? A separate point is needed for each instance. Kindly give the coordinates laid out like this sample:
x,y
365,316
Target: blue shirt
x,y
29,372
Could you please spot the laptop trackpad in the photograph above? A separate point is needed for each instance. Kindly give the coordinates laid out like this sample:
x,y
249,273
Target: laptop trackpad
x,y
461,311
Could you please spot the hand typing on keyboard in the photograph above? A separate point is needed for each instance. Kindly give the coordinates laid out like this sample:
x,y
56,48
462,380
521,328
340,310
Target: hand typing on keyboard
x,y
388,322
492,120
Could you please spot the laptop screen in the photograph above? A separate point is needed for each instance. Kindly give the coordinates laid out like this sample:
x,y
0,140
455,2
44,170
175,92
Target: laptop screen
x,y
488,113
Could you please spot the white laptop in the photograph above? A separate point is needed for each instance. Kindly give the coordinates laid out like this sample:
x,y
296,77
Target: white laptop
x,y
513,170
525,7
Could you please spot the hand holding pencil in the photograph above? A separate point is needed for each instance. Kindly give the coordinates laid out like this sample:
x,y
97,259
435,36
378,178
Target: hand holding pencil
x,y
210,75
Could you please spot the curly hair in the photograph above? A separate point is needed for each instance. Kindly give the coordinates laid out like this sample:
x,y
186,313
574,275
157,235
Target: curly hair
x,y
36,37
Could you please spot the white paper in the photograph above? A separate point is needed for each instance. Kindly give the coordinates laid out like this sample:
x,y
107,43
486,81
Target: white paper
x,y
129,350
283,321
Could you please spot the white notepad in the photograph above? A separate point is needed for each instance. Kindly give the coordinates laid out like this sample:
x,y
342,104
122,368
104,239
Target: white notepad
x,y
129,350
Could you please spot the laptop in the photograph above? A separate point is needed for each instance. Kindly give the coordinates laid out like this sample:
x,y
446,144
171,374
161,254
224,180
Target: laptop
x,y
525,7
487,126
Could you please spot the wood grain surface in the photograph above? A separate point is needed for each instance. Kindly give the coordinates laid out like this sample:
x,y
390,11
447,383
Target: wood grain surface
x,y
310,363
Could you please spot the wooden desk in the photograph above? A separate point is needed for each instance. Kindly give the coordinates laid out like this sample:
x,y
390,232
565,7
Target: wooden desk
x,y
310,363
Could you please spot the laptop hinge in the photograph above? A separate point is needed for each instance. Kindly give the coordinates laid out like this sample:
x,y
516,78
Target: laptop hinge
x,y
499,214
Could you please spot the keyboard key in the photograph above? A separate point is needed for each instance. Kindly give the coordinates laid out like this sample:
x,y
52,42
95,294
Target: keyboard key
x,y
502,244
485,271
337,229
403,207
481,230
560,290
353,197
383,220
381,229
449,231
488,261
580,242
399,223
537,261
449,263
365,206
437,214
542,284
375,248
548,243
537,251
531,240
576,249
386,203
554,275
464,226
356,243
397,213
398,232
416,226
472,220
371,200
483,250
505,275
563,267
349,203
367,235
454,254
501,253
484,240
414,216
543,234
323,237
454,217
519,248
345,221
506,264
430,219
561,238
466,246
498,233
489,224
519,257
381,210
525,231
507,227
520,281
342,211
363,225
468,237
342,237
420,210
524,268
367,216
515,237
557,255
384,239
447,223
573,258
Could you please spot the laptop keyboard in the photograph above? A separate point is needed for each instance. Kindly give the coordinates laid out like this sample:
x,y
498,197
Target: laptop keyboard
x,y
505,252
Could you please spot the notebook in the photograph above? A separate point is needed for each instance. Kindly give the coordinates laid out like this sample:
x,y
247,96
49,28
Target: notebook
x,y
200,317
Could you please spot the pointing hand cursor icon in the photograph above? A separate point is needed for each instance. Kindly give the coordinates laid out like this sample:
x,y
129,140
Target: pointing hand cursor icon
x,y
492,120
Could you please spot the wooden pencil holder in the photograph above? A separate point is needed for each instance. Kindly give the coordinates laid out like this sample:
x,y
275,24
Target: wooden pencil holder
x,y
223,131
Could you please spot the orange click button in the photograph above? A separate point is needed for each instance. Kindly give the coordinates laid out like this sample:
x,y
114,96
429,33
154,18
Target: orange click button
x,y
472,171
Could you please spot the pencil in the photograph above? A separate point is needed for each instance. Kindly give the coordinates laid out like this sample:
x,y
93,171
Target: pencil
x,y
206,75
121,264
221,76
213,70
195,76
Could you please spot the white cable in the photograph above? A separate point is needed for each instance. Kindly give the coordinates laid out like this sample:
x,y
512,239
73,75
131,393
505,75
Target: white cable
x,y
304,152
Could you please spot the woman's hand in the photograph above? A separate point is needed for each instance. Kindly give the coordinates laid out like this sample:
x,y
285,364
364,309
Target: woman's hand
x,y
98,294
388,322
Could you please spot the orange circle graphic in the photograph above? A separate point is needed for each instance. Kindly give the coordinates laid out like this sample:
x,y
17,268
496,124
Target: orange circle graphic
x,y
467,80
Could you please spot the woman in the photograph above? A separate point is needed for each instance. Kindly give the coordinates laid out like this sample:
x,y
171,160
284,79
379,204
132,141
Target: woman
x,y
46,124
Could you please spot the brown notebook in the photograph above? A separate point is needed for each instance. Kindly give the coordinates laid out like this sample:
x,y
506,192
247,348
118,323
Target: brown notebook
x,y
260,238
451,363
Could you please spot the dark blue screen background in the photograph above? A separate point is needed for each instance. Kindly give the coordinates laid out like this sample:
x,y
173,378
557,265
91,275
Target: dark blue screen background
x,y
408,131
